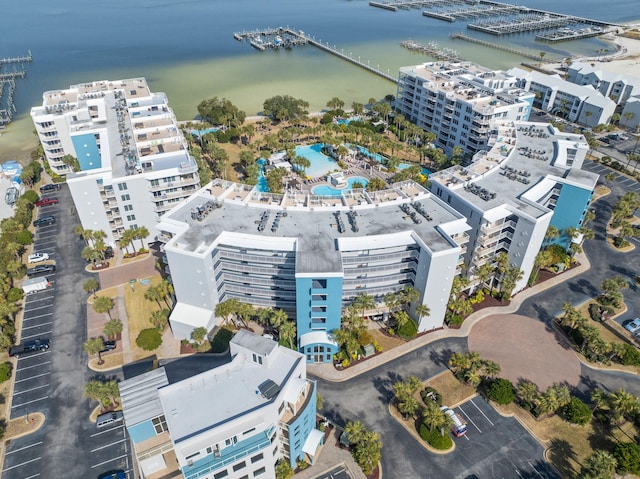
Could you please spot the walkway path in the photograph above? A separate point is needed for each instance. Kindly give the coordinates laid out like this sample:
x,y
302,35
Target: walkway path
x,y
329,373
121,274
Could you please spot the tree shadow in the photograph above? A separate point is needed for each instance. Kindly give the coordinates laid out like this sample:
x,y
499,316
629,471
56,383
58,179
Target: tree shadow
x,y
441,357
384,385
583,286
542,313
560,455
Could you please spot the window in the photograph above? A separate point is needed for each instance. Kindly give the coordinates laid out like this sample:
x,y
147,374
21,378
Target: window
x,y
248,431
191,456
221,474
131,218
231,441
128,207
259,472
125,197
257,458
160,424
257,359
319,284
240,465
122,186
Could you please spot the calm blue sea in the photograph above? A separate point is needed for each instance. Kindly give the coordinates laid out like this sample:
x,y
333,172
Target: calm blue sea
x,y
186,48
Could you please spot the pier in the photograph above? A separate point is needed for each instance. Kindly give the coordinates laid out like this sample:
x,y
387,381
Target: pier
x,y
395,5
497,46
432,49
285,37
8,78
565,34
478,10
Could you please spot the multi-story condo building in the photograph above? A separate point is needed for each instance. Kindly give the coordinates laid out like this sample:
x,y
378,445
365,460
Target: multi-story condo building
x,y
577,103
309,255
613,85
132,160
529,178
458,101
234,421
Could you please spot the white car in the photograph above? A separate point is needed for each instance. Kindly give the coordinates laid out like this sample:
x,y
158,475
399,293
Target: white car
x,y
633,326
37,257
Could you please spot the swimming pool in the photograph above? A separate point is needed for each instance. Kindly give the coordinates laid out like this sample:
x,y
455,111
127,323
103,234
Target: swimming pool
x,y
321,164
380,159
204,132
261,186
324,190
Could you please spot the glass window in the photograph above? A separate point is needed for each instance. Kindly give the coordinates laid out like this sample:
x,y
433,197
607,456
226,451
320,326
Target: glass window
x,y
259,472
221,474
159,424
240,465
257,458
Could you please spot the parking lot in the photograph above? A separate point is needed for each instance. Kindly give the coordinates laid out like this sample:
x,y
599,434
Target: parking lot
x,y
52,381
498,446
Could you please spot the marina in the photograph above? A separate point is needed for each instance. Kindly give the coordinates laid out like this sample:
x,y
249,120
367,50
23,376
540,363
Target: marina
x,y
285,37
8,77
497,46
565,34
432,49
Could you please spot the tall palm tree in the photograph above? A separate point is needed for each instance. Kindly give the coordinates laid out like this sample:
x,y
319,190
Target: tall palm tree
x,y
103,304
355,432
287,332
422,310
363,302
141,233
94,346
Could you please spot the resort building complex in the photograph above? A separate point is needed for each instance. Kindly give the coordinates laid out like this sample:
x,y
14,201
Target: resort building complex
x,y
458,102
581,104
119,146
309,255
530,177
234,421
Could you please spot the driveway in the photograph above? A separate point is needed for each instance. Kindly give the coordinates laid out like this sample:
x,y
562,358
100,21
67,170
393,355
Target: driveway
x,y
121,274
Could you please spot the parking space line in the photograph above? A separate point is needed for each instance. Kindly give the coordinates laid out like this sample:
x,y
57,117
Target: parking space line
x,y
31,477
107,430
22,464
41,298
23,448
31,377
37,335
34,366
34,309
29,402
470,420
537,472
38,354
110,460
109,445
36,317
481,412
37,325
32,389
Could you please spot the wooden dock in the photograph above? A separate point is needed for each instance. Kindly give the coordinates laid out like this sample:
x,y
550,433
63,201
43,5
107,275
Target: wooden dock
x,y
497,46
566,34
285,37
8,76
432,49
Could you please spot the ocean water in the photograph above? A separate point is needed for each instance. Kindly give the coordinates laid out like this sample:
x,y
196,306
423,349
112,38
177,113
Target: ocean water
x,y
187,49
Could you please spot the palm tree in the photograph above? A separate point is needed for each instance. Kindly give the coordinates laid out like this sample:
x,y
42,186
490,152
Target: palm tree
x,y
551,234
103,304
95,346
363,302
126,238
527,393
91,286
287,332
355,432
141,233
227,309
599,465
367,453
112,328
84,234
623,405
153,294
159,319
422,310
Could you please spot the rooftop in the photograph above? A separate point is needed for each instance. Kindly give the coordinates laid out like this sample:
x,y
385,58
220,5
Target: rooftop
x,y
522,155
140,396
314,224
219,395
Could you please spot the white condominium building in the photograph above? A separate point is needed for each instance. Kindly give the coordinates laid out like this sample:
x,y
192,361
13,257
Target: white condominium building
x,y
234,421
458,101
577,103
613,85
529,178
132,160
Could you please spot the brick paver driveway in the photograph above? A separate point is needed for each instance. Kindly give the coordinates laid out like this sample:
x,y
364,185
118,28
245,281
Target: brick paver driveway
x,y
525,348
123,273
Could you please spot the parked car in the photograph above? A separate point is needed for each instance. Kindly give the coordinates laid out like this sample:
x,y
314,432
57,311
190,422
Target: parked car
x,y
41,269
108,253
108,346
49,187
29,347
109,418
37,257
633,326
113,475
45,201
45,221
11,196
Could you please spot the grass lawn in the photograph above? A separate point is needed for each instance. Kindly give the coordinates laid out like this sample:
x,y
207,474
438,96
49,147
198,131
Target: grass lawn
x,y
452,391
111,360
386,342
139,313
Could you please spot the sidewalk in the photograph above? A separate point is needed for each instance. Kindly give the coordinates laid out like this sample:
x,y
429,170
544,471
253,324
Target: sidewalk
x,y
330,457
329,373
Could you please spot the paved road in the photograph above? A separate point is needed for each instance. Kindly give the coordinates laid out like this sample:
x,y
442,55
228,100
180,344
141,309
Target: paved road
x,y
52,382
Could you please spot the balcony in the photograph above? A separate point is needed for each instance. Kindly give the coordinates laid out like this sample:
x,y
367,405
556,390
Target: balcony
x,y
292,410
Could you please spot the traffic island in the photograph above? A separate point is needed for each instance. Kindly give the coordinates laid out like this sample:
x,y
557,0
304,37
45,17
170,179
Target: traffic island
x,y
24,425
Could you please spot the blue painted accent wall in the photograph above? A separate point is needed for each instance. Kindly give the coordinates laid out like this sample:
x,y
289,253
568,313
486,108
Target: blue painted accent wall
x,y
229,455
300,429
570,209
87,151
310,294
142,432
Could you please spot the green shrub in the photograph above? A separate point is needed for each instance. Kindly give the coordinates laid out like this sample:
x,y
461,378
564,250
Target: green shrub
x,y
501,390
31,196
427,393
435,439
408,330
25,238
14,294
220,342
455,320
283,470
577,412
595,311
630,355
628,456
620,242
149,339
5,371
